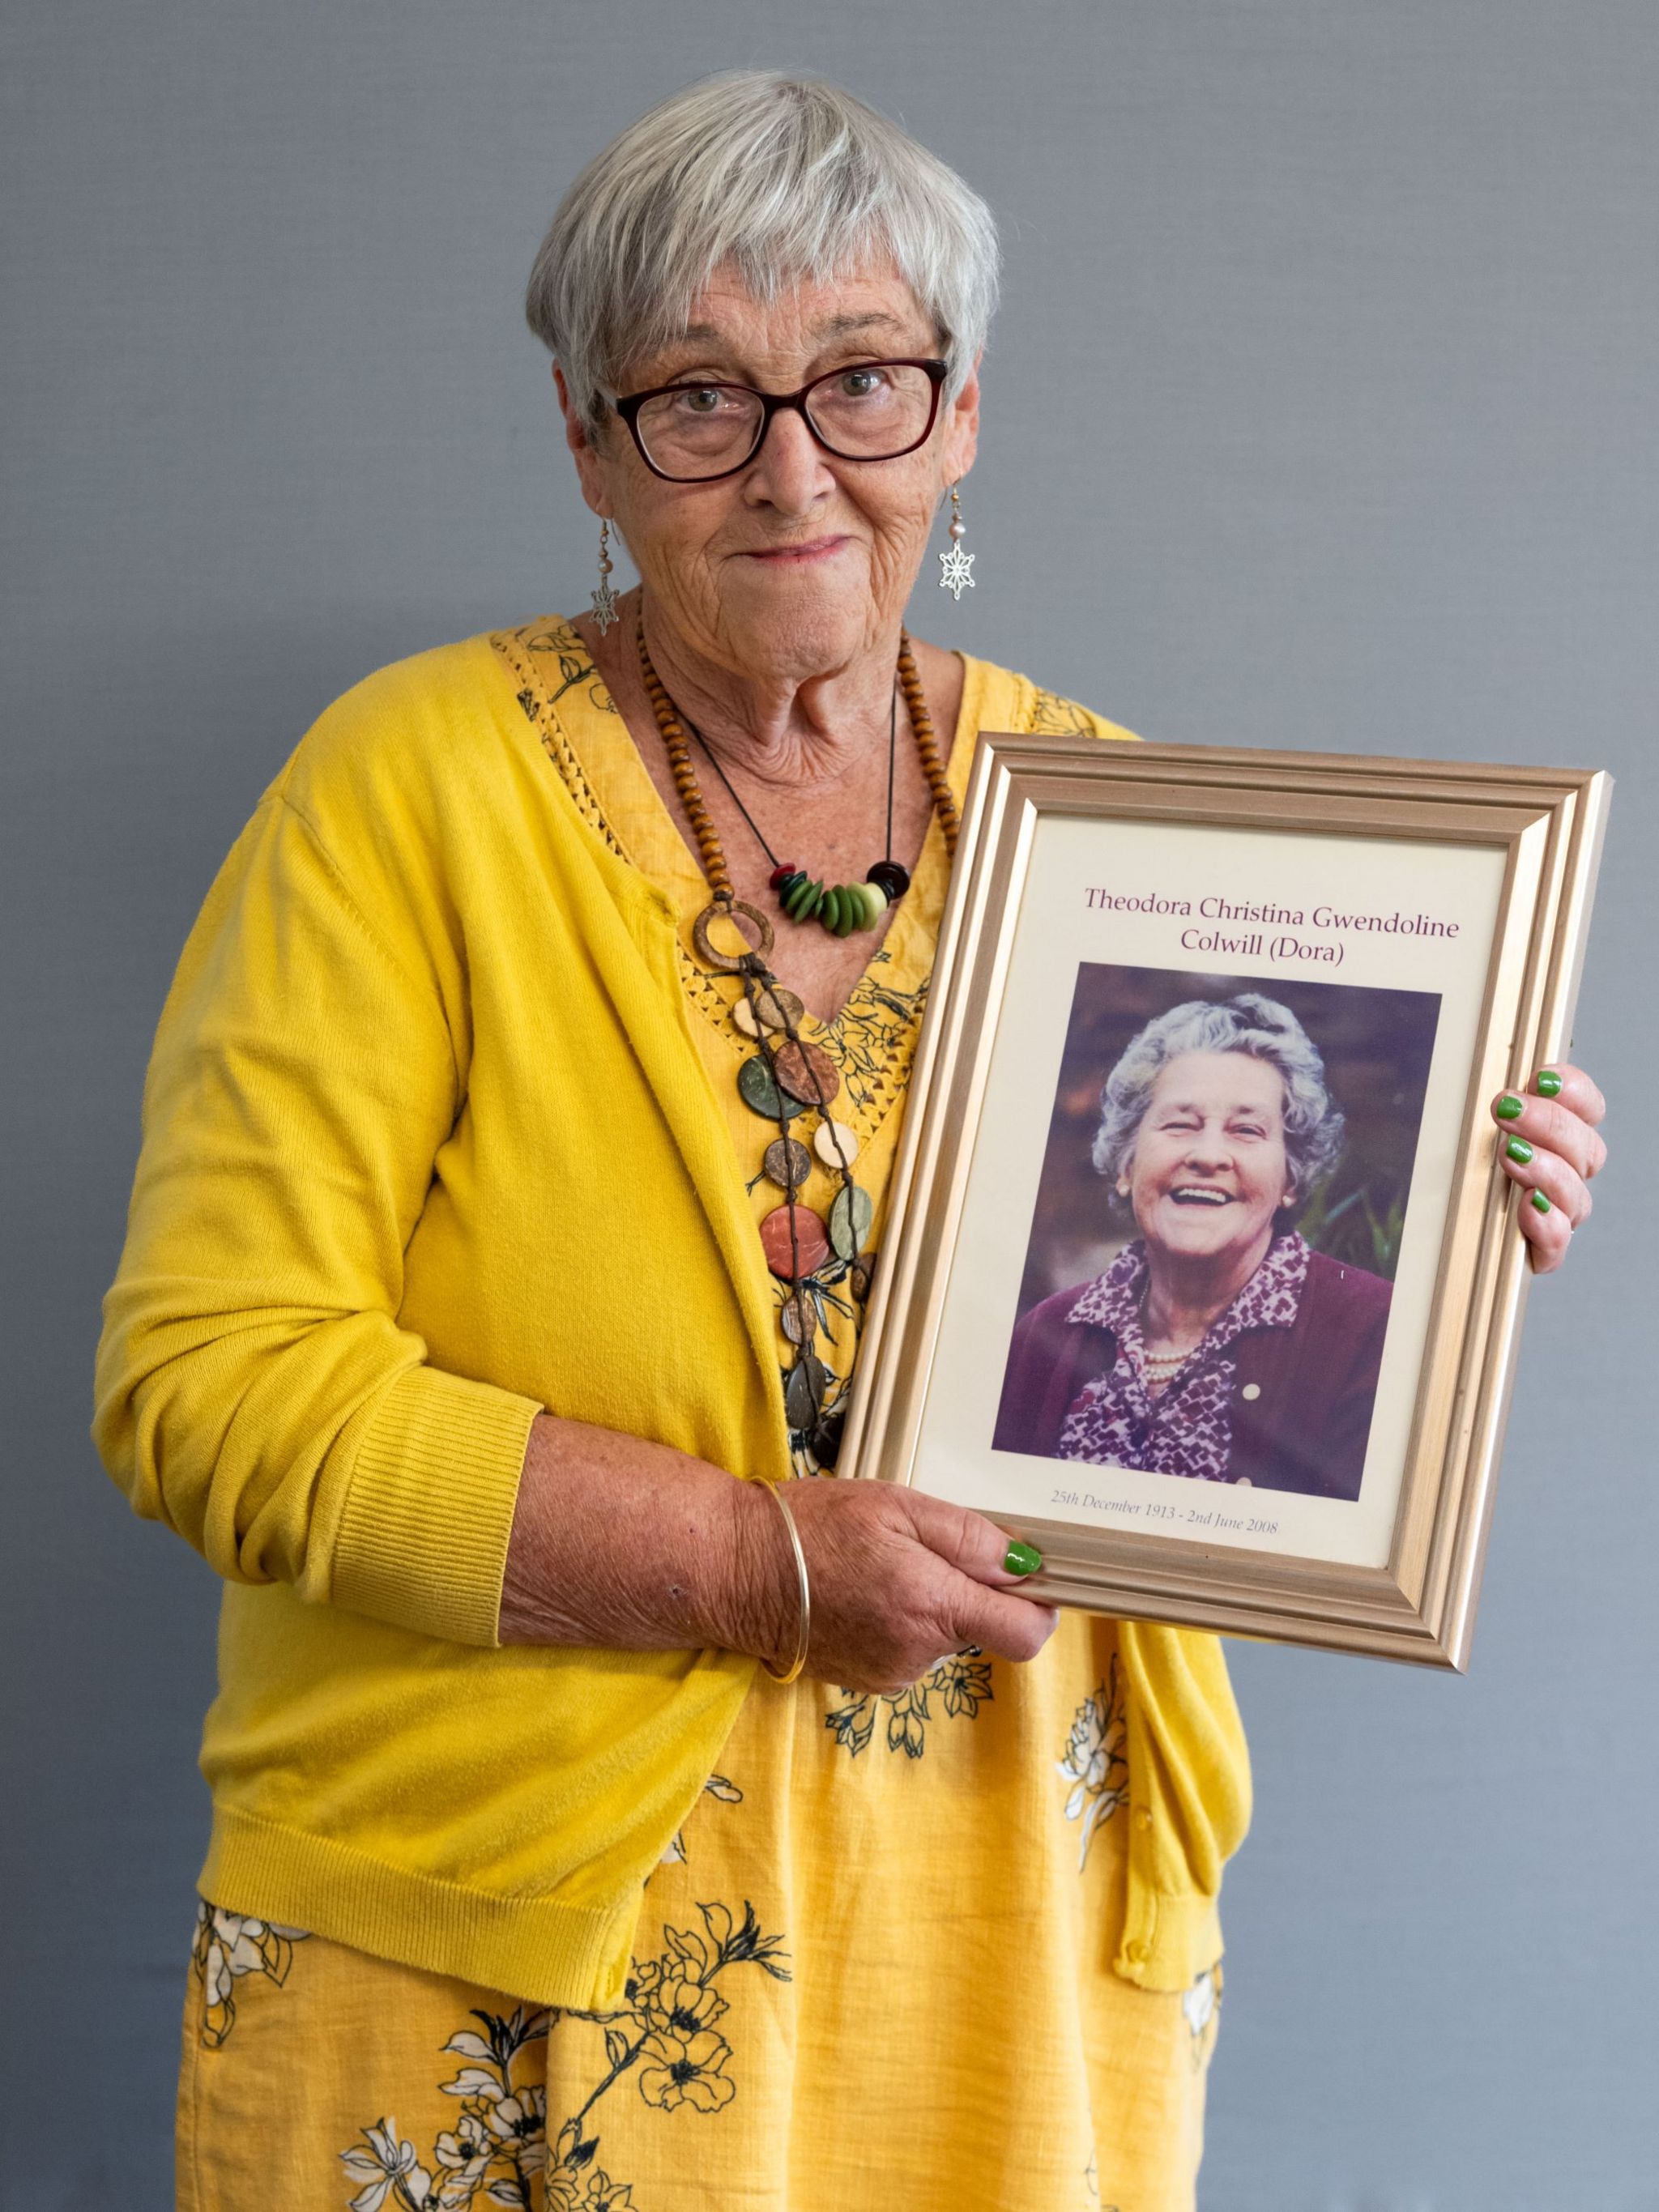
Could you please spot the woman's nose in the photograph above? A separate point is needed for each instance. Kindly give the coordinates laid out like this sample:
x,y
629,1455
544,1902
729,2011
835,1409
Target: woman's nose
x,y
1209,1150
788,472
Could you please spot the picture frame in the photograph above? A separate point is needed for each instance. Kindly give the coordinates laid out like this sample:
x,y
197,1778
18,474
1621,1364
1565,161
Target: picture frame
x,y
1419,927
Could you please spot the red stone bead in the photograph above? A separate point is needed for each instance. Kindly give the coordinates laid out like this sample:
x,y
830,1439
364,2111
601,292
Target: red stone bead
x,y
791,1256
778,874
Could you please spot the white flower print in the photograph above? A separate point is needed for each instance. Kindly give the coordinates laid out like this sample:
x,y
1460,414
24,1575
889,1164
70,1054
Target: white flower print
x,y
465,2156
1200,2007
498,2151
498,2145
387,2165
1199,2003
228,1946
1094,1762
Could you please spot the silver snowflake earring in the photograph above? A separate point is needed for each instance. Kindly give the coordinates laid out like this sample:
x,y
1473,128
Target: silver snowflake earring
x,y
956,566
604,599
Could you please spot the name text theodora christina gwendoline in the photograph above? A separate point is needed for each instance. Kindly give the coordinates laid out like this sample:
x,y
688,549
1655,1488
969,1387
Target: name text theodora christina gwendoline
x,y
1257,929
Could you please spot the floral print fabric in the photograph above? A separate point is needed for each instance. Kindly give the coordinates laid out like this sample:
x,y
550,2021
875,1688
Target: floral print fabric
x,y
1187,1429
858,1975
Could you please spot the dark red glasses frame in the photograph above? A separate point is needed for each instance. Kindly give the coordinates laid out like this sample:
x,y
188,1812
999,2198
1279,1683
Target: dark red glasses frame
x,y
774,403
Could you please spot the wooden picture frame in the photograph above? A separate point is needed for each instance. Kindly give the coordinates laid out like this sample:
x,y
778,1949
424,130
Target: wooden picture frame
x,y
1086,872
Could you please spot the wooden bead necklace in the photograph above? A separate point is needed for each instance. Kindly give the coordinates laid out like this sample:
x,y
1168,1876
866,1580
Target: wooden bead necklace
x,y
841,908
789,1075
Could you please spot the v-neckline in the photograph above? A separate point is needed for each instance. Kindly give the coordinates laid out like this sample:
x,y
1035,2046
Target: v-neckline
x,y
640,824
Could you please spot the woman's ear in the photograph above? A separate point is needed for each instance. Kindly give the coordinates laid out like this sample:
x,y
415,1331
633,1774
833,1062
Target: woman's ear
x,y
961,440
590,462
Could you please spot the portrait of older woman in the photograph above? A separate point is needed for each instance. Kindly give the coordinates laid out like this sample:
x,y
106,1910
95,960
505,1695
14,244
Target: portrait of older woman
x,y
610,1809
1216,1345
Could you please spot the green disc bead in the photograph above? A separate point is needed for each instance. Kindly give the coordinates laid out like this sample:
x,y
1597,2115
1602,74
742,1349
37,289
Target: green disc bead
x,y
850,1218
851,913
830,912
870,898
760,1091
804,901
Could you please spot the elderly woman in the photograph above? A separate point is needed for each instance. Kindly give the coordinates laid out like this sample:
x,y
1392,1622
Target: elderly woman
x,y
1216,1344
601,1819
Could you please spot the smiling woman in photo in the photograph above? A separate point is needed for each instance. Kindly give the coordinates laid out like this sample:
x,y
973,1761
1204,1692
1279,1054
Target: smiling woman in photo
x,y
1217,1345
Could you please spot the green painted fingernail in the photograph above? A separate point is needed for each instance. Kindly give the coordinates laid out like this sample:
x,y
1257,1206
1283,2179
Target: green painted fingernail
x,y
1508,1106
1540,1201
1548,1083
1021,1559
1518,1148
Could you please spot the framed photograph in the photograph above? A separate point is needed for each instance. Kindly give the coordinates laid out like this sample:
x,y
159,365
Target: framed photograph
x,y
1202,1275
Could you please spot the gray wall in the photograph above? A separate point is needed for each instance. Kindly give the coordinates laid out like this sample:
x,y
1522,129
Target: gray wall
x,y
1353,305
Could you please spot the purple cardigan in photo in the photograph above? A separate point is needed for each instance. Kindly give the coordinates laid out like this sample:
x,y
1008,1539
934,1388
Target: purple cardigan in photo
x,y
1301,1409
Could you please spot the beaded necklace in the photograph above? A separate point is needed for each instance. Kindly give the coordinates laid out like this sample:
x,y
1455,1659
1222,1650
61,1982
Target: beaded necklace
x,y
788,1075
839,908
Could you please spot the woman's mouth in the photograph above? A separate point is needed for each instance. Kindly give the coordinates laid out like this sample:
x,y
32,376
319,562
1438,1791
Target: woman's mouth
x,y
788,556
1194,1193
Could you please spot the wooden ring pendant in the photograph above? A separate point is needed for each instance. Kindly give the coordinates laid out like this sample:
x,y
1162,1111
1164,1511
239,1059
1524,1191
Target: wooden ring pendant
x,y
726,963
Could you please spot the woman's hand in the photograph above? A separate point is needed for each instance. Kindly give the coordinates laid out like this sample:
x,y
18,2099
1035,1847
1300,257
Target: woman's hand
x,y
626,1544
899,1580
1551,1145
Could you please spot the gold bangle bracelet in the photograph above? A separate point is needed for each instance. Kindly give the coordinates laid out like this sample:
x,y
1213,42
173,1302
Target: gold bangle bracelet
x,y
803,1630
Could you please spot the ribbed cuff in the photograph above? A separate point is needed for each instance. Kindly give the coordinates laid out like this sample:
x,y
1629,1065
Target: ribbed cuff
x,y
423,1536
538,1948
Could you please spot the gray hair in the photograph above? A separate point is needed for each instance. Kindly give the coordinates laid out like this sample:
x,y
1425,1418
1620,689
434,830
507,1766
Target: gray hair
x,y
1249,1024
787,178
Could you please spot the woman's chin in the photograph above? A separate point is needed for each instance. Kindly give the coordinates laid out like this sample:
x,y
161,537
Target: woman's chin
x,y
1190,1237
789,624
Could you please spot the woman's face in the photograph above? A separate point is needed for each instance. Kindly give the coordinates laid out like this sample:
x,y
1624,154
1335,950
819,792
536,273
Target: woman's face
x,y
1208,1170
791,567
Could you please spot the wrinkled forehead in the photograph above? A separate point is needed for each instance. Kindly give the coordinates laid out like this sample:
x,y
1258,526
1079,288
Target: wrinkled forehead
x,y
1219,1082
870,309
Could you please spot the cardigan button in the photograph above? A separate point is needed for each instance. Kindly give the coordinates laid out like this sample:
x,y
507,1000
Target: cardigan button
x,y
1136,1953
1251,1390
1143,1816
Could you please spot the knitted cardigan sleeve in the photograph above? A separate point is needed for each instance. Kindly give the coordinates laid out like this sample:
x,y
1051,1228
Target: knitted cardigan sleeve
x,y
254,1389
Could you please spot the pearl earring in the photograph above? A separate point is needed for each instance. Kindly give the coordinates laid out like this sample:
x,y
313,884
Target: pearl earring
x,y
956,566
604,599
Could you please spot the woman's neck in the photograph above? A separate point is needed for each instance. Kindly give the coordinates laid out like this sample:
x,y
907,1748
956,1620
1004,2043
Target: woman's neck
x,y
787,729
1185,1298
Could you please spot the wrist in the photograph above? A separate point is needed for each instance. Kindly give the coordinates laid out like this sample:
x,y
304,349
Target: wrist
x,y
764,1600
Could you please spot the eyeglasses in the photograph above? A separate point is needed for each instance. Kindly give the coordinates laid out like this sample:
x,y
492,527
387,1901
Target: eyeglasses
x,y
871,410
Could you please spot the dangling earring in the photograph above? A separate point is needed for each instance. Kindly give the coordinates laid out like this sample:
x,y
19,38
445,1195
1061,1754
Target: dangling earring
x,y
956,566
604,599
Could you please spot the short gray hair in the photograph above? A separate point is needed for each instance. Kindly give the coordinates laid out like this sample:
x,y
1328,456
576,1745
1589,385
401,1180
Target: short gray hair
x,y
1249,1024
788,179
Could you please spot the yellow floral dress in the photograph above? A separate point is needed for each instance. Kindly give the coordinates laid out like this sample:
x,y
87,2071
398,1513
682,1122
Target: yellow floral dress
x,y
875,1965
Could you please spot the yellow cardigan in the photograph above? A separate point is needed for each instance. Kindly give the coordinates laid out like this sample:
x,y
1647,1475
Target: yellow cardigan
x,y
427,1147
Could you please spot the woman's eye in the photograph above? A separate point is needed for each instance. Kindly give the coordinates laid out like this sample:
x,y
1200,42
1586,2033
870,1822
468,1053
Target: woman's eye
x,y
860,383
698,399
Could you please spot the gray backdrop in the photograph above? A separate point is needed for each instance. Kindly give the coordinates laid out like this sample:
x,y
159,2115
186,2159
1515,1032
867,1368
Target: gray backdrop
x,y
1321,412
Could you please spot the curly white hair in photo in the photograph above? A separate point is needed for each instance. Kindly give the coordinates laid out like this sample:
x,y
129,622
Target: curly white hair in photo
x,y
1251,1023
